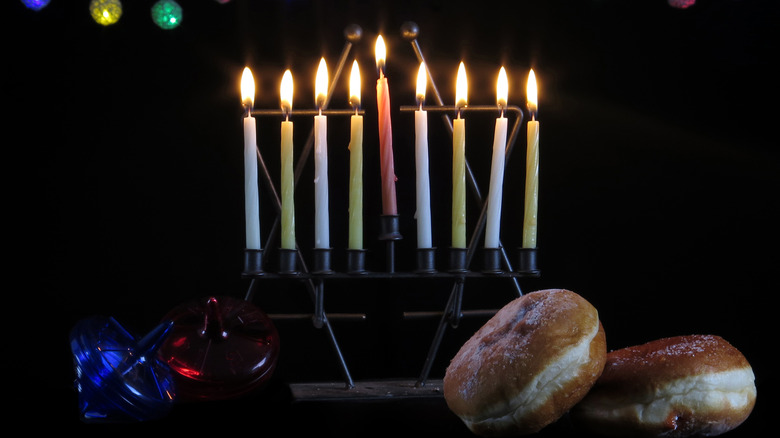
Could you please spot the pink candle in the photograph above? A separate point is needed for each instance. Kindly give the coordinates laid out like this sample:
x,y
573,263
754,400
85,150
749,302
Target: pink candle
x,y
389,206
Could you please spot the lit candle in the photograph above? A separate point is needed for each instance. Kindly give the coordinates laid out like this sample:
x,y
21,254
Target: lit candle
x,y
288,184
532,167
459,163
321,220
493,223
387,174
355,163
251,190
423,214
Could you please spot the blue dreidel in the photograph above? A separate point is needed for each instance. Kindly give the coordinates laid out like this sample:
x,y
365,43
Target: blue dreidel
x,y
119,378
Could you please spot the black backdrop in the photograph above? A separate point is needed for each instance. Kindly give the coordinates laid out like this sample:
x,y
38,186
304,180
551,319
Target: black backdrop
x,y
658,183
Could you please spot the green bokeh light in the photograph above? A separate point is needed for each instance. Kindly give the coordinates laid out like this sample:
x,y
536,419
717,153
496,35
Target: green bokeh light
x,y
105,12
166,14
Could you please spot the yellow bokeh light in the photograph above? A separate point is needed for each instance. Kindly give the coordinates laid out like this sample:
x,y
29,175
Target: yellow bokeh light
x,y
105,12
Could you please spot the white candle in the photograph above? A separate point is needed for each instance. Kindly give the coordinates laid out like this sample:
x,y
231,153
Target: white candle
x,y
459,164
251,190
288,180
355,164
532,167
321,215
423,215
493,224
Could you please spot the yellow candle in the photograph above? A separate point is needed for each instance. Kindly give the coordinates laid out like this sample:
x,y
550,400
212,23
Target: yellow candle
x,y
355,164
459,164
288,180
251,190
532,167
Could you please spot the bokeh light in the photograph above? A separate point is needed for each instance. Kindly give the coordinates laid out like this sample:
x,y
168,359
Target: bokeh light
x,y
167,14
105,12
681,4
35,5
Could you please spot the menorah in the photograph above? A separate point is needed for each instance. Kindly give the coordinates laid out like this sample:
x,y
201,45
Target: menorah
x,y
317,271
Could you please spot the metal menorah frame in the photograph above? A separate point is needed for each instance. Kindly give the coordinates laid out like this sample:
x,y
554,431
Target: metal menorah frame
x,y
497,262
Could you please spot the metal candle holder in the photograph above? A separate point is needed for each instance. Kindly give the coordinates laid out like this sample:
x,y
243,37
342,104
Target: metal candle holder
x,y
292,264
426,260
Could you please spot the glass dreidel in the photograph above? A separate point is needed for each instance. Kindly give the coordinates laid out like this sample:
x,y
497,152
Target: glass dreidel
x,y
119,377
220,348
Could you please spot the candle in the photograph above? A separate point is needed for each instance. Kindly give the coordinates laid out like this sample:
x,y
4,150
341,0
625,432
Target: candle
x,y
423,214
321,220
355,163
532,167
459,163
389,206
251,190
288,204
493,223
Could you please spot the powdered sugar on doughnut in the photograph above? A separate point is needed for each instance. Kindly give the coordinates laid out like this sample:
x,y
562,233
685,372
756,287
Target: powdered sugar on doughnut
x,y
676,387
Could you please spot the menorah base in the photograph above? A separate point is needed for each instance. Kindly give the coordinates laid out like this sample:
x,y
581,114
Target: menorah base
x,y
374,390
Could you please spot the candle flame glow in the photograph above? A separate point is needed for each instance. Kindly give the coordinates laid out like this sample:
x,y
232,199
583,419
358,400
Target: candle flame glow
x,y
354,85
422,82
502,88
247,88
461,87
531,93
286,92
381,54
321,84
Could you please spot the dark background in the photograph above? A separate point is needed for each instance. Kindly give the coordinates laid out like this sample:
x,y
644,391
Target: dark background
x,y
658,183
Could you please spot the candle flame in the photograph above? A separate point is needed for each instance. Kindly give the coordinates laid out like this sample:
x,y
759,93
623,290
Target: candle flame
x,y
354,85
321,84
247,88
381,54
422,82
462,87
502,88
286,91
531,92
